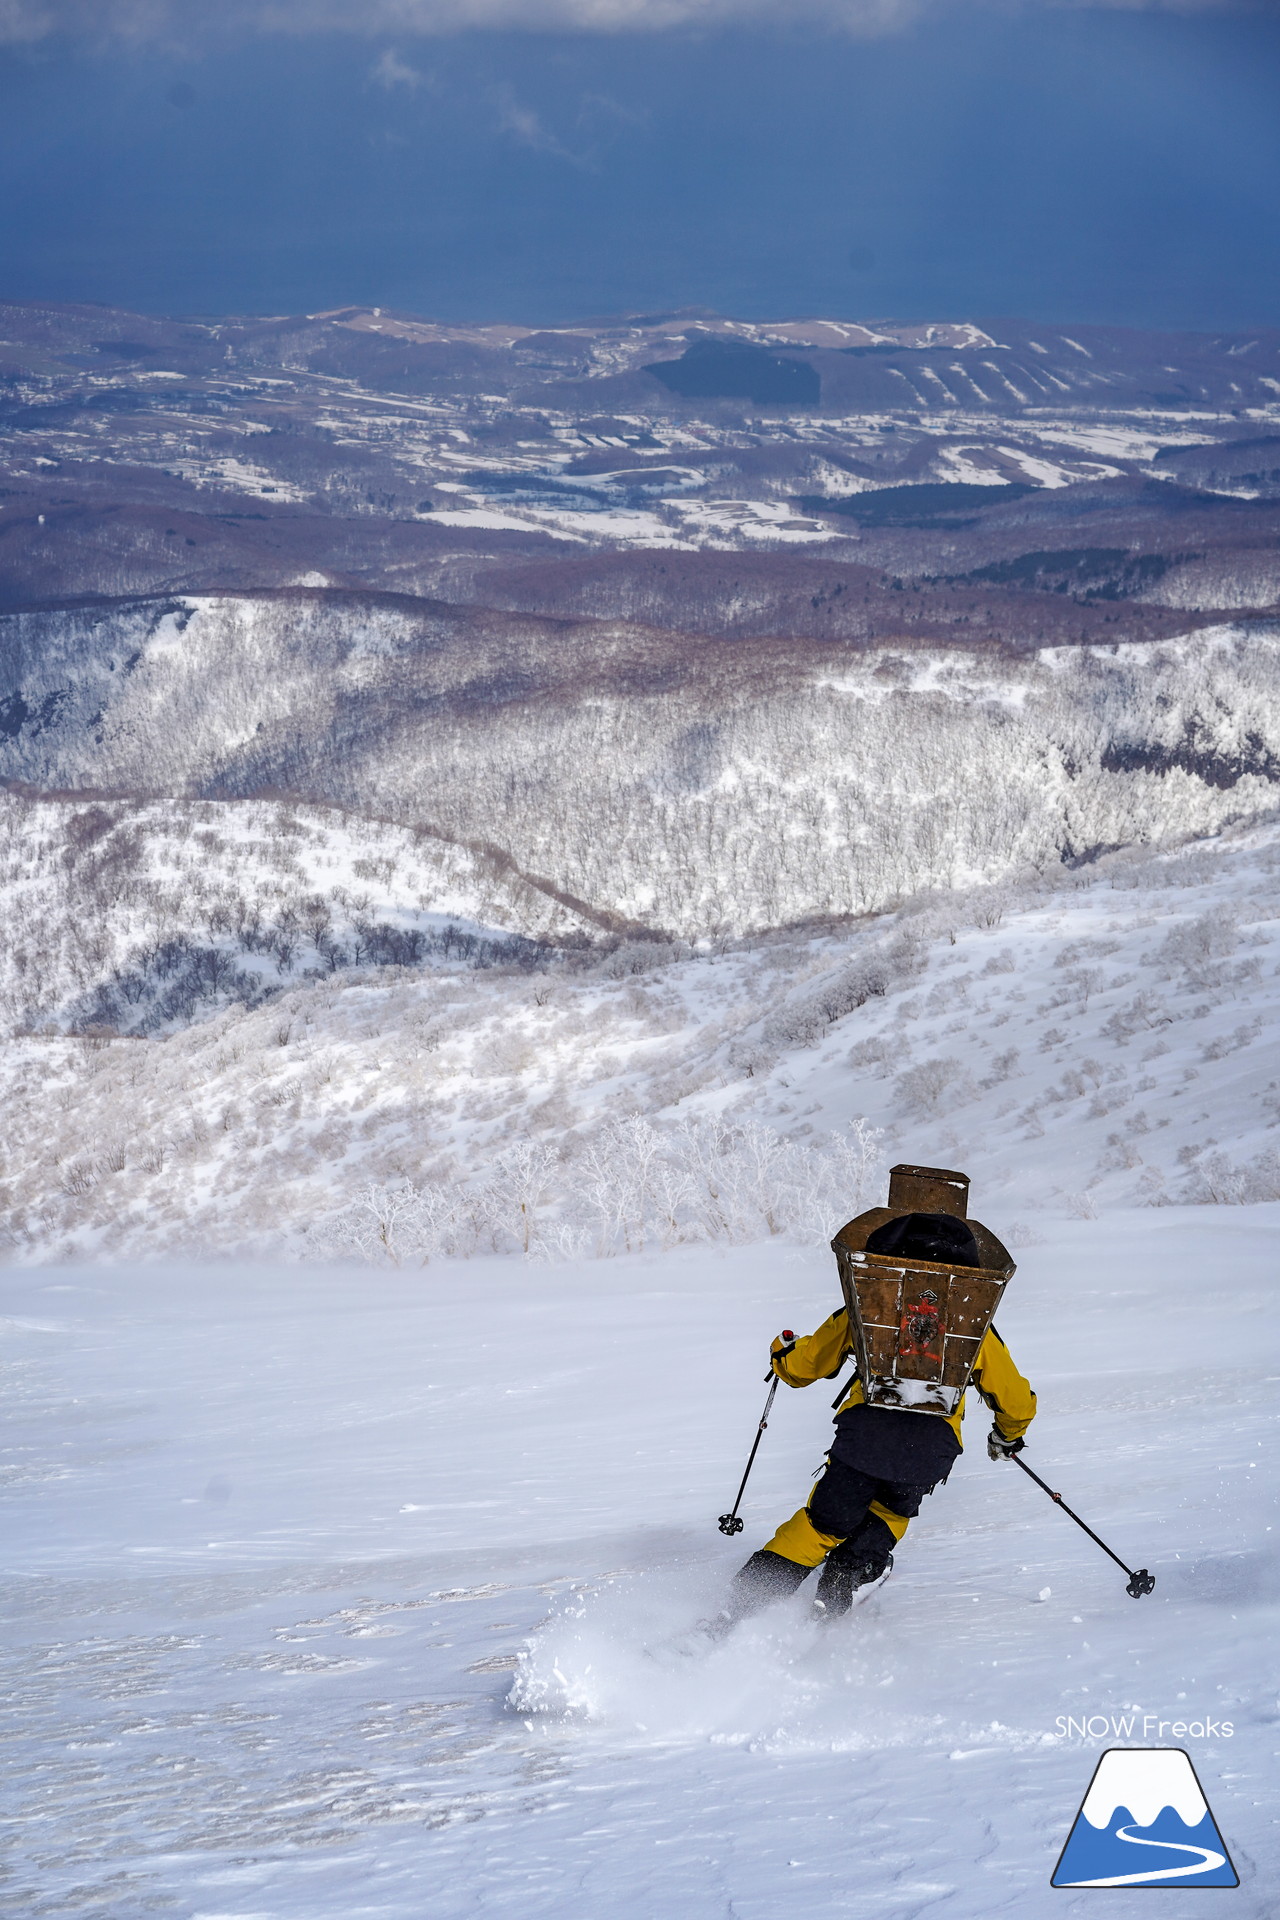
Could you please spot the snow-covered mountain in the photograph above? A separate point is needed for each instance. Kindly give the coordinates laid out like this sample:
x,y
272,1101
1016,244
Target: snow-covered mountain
x,y
1092,1038
653,781
576,703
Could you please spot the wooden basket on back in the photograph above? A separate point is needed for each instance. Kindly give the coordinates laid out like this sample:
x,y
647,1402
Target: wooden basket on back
x,y
917,1324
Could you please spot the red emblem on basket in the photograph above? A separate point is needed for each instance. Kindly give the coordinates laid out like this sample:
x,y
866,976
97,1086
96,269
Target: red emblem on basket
x,y
920,1331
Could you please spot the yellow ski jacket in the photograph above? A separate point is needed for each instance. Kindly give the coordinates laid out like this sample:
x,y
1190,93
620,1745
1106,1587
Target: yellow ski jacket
x,y
820,1356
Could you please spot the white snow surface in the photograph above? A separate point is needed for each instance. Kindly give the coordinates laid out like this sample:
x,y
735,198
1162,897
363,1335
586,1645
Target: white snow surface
x,y
338,1593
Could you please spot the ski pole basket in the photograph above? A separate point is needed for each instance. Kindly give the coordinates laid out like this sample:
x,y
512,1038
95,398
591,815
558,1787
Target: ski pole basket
x,y
917,1325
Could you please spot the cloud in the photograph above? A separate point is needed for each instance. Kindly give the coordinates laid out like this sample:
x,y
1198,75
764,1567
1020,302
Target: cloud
x,y
524,126
182,21
390,71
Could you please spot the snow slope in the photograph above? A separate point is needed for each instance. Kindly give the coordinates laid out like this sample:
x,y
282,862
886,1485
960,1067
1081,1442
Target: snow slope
x,y
329,1593
1099,1037
136,918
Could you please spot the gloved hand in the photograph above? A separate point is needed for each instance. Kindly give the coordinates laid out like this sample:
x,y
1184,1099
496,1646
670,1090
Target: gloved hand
x,y
779,1348
998,1448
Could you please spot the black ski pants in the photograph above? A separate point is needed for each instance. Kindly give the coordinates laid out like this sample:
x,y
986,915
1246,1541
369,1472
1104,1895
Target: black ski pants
x,y
852,1514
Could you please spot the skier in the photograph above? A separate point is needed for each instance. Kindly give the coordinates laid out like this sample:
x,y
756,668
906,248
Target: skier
x,y
883,1460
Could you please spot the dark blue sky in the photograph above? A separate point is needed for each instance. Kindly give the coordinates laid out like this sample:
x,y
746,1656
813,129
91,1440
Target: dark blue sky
x,y
1072,165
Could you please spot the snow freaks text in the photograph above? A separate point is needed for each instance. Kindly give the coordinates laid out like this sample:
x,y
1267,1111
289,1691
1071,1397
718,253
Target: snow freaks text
x,y
1145,1726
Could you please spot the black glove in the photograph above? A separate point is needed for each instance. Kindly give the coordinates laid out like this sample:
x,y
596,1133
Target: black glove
x,y
998,1448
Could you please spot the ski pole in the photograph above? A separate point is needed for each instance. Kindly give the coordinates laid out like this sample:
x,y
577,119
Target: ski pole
x,y
729,1522
1140,1582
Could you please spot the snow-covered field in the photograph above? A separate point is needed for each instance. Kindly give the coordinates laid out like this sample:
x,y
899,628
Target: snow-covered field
x,y
329,1593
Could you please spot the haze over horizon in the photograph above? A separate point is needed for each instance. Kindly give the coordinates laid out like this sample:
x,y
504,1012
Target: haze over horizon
x,y
1076,164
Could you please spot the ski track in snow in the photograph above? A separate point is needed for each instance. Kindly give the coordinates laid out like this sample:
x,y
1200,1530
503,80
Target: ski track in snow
x,y
335,1593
